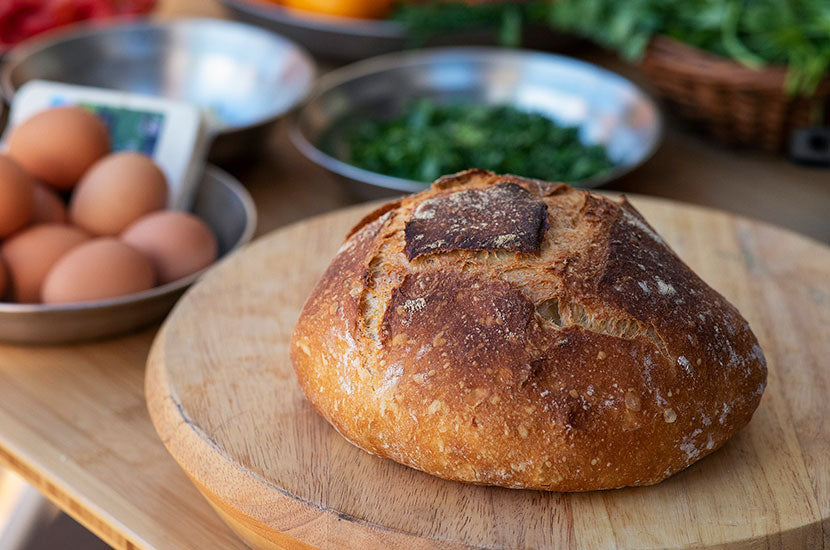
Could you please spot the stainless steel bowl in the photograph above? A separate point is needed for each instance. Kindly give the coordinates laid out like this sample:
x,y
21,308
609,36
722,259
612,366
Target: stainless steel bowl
x,y
242,76
339,38
607,108
345,39
221,202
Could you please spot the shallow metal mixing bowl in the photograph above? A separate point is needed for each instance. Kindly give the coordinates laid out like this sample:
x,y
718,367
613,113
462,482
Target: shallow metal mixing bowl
x,y
242,76
345,39
607,108
221,202
340,38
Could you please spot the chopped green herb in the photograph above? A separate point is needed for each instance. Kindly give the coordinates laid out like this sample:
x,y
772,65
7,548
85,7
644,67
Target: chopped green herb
x,y
429,140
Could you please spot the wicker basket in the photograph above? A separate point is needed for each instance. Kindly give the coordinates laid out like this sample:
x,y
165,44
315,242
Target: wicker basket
x,y
737,104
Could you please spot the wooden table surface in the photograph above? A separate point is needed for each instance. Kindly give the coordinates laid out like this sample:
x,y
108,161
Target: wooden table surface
x,y
73,419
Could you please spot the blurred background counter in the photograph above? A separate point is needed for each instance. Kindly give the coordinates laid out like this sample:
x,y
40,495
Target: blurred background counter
x,y
688,167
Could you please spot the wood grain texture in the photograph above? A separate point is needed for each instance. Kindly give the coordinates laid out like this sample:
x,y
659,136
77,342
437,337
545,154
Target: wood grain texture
x,y
224,399
73,420
73,423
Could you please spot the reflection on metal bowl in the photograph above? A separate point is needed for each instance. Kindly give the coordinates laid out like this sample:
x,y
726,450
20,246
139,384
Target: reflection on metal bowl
x,y
242,76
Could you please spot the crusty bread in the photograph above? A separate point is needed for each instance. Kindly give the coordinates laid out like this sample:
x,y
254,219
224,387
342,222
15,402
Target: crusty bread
x,y
505,331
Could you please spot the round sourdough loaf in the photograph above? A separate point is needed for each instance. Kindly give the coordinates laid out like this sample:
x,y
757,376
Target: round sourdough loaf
x,y
506,331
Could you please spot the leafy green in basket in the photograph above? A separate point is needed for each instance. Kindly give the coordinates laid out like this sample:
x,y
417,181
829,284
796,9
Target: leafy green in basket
x,y
757,33
429,140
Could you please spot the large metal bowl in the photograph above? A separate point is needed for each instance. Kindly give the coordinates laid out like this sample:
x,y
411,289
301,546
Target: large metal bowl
x,y
346,39
221,202
242,76
607,108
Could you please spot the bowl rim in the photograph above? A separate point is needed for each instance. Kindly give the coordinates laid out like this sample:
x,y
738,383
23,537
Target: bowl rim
x,y
225,179
359,27
396,60
22,51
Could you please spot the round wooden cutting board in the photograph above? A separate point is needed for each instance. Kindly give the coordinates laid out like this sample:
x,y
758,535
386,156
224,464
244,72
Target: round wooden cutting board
x,y
223,397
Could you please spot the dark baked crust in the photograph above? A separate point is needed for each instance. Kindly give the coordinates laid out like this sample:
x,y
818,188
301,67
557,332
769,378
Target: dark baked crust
x,y
504,216
595,360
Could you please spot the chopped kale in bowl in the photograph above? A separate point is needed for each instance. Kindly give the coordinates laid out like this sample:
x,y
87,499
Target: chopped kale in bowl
x,y
428,140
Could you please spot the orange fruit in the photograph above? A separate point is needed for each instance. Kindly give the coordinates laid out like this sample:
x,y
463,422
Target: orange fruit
x,y
362,9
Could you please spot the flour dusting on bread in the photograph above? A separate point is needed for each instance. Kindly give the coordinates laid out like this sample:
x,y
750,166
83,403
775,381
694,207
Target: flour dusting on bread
x,y
501,217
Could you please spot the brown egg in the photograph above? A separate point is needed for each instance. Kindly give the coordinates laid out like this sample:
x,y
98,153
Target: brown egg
x,y
4,281
118,190
58,145
98,269
17,196
32,253
179,244
49,207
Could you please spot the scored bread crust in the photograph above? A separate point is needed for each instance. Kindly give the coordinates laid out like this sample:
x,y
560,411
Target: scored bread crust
x,y
598,361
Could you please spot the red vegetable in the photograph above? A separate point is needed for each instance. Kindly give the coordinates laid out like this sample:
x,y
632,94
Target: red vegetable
x,y
20,19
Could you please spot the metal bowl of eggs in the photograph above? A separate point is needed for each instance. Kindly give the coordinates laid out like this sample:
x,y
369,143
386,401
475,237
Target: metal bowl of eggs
x,y
244,78
221,202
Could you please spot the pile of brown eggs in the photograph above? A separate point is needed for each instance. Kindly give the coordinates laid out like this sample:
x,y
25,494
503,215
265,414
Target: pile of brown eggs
x,y
80,223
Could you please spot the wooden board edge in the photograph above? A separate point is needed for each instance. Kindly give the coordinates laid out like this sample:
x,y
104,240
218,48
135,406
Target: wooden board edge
x,y
238,494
